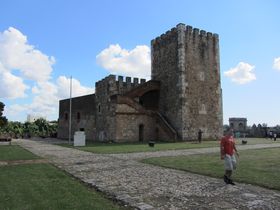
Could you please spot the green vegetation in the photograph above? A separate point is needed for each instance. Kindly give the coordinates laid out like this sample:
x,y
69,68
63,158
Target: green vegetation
x,y
109,148
14,152
42,186
3,119
255,141
40,127
260,167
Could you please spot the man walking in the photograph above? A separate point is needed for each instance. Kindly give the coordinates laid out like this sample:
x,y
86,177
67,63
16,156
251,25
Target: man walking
x,y
227,154
275,136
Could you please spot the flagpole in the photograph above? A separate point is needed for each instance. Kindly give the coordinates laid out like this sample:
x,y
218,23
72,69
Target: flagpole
x,y
70,111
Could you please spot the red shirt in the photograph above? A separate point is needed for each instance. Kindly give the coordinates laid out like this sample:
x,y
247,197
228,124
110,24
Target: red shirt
x,y
227,145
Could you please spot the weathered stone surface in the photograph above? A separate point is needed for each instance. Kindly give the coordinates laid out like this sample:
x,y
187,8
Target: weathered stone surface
x,y
187,63
83,116
185,91
143,186
238,124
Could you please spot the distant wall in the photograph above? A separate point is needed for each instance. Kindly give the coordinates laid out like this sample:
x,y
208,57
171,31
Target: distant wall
x,y
83,116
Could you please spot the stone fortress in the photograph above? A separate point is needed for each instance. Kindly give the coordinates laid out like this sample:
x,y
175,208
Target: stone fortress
x,y
183,96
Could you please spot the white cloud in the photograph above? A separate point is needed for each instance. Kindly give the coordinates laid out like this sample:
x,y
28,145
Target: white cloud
x,y
46,97
14,110
276,64
20,61
135,62
35,90
11,86
242,73
63,84
17,54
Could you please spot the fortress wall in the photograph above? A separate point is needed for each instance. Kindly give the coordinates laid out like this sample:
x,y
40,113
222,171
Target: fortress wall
x,y
164,57
105,109
83,116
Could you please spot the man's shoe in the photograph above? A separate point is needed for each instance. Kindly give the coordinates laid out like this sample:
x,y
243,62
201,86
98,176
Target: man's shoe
x,y
226,179
231,182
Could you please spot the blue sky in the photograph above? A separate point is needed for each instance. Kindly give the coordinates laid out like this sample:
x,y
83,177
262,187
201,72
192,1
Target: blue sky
x,y
43,42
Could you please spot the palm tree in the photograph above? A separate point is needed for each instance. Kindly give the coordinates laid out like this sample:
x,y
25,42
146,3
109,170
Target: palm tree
x,y
43,127
14,129
3,119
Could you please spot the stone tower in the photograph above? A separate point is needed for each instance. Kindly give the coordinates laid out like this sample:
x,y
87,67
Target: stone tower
x,y
186,62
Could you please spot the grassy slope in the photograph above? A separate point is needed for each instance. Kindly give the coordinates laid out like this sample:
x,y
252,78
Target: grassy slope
x,y
42,186
108,148
261,167
13,152
143,147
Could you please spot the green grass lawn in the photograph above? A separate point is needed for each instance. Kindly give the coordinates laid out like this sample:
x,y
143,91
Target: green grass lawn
x,y
109,148
256,141
13,152
260,167
42,186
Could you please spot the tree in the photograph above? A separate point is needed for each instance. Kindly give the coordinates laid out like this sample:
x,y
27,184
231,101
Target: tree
x,y
40,127
3,119
2,105
14,129
30,129
43,127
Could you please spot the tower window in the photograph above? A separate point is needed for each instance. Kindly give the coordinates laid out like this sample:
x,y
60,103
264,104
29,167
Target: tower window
x,y
202,109
78,116
240,126
201,76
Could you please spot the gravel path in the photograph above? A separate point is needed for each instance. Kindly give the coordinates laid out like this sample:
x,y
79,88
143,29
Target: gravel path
x,y
143,186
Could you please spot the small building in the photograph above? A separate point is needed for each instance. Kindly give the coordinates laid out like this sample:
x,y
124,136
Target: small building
x,y
32,118
239,125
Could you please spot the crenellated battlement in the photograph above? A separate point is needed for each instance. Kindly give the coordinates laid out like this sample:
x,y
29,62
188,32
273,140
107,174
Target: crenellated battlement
x,y
172,35
117,84
169,35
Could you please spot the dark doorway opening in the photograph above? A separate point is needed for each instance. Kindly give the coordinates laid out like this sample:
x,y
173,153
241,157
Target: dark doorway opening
x,y
141,132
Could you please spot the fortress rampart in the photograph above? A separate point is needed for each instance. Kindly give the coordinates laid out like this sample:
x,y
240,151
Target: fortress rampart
x,y
117,85
195,33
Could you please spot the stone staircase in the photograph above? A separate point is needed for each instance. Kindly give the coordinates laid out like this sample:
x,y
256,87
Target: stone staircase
x,y
166,126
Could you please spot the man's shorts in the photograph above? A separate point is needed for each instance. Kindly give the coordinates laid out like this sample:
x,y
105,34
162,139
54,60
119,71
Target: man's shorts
x,y
230,162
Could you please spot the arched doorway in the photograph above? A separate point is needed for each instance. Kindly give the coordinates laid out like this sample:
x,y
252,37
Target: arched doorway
x,y
141,132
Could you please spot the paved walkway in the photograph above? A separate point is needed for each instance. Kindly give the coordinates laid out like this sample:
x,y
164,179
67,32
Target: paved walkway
x,y
143,186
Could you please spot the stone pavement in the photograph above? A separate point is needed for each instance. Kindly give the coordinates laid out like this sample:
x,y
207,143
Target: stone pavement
x,y
143,186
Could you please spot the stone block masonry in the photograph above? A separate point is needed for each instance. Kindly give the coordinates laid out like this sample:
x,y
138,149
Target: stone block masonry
x,y
186,62
106,128
83,116
183,96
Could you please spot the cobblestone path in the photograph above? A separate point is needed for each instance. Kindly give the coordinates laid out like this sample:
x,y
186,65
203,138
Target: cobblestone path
x,y
143,186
